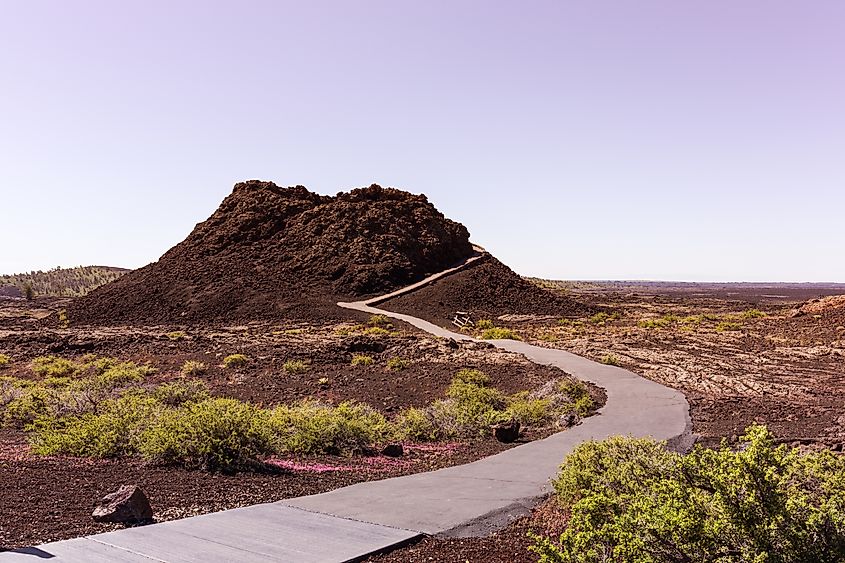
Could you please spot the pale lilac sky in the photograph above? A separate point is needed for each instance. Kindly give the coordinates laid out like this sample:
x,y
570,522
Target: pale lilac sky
x,y
593,140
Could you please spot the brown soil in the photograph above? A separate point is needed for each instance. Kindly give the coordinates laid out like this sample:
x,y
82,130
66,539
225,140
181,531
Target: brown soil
x,y
284,253
486,289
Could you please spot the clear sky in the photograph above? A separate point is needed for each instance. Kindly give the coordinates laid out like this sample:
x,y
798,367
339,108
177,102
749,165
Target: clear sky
x,y
639,139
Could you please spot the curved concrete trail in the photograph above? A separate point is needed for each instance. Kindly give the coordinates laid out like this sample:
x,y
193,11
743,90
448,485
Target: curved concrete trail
x,y
349,523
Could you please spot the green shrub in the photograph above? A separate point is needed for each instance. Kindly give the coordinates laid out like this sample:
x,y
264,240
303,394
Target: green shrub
x,y
178,393
215,434
472,377
610,360
376,331
379,320
362,360
121,375
235,361
177,335
499,334
5,361
728,326
529,411
418,424
397,364
194,367
603,317
753,314
654,323
295,366
313,427
484,324
53,366
630,500
27,404
114,432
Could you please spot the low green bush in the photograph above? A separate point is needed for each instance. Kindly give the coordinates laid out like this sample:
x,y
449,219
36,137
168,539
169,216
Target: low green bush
x,y
753,314
114,432
177,393
397,364
5,361
484,324
215,434
631,500
193,368
176,335
379,320
53,366
295,366
418,424
727,326
313,427
529,411
603,317
376,331
235,361
362,360
610,360
498,333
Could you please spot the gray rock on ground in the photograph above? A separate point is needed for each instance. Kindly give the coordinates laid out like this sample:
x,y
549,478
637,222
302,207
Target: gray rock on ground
x,y
127,505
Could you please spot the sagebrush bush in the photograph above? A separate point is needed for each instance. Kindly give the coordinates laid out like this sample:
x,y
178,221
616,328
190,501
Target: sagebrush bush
x,y
235,361
483,324
113,432
376,331
631,500
177,393
497,333
194,367
295,366
53,366
397,364
313,427
5,361
379,320
728,326
362,360
176,335
753,314
215,434
529,411
418,424
610,360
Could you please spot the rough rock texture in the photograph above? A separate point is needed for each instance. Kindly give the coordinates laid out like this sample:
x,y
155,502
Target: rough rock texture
x,y
487,289
270,252
833,303
10,291
127,505
506,432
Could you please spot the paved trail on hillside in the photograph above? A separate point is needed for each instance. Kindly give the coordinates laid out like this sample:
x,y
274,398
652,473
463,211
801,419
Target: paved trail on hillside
x,y
349,523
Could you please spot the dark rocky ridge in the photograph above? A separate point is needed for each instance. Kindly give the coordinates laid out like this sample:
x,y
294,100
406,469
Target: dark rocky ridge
x,y
284,253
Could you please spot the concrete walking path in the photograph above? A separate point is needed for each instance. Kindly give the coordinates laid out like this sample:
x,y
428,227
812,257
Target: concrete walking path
x,y
350,523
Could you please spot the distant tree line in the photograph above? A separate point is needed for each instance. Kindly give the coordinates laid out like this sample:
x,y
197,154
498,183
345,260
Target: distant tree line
x,y
62,282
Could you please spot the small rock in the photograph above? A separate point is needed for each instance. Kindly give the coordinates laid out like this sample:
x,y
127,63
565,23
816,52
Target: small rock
x,y
393,450
568,420
453,344
506,432
127,505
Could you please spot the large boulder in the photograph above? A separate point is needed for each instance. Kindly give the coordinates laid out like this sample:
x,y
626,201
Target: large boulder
x,y
127,505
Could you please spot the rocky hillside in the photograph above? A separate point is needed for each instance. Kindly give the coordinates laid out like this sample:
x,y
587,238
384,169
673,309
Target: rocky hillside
x,y
272,253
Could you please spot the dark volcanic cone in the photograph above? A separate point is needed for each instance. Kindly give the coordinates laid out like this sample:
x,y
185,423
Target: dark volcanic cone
x,y
284,253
